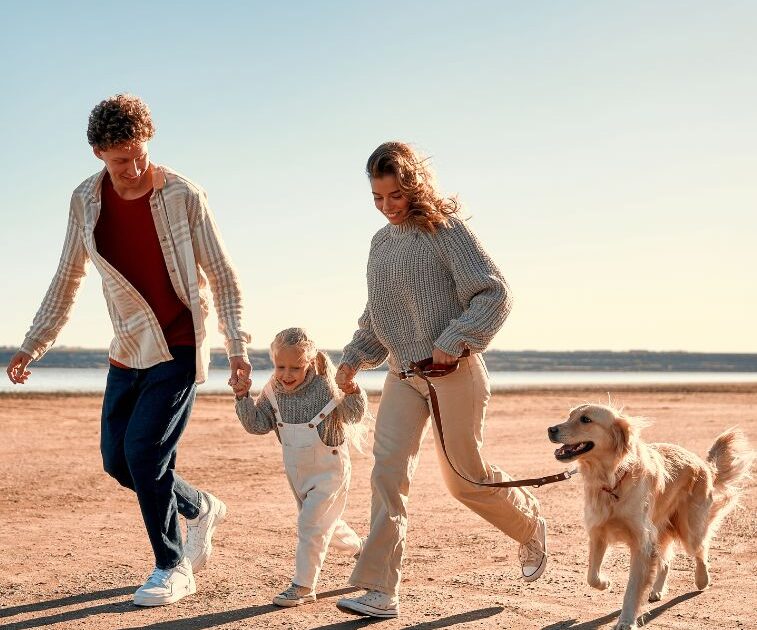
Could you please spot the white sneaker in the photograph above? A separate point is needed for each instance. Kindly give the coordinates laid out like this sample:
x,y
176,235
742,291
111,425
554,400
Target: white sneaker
x,y
295,595
533,554
198,546
372,604
166,586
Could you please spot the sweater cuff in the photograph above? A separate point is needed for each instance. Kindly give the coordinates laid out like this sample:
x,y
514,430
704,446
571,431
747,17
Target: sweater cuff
x,y
236,348
33,348
353,359
450,342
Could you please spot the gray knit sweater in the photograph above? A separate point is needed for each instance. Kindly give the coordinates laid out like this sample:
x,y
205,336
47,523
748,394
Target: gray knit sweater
x,y
301,405
424,291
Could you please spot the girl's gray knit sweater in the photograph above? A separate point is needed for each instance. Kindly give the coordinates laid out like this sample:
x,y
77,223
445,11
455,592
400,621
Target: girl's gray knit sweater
x,y
301,405
427,290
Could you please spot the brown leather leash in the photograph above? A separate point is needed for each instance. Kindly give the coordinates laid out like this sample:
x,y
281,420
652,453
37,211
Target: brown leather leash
x,y
427,370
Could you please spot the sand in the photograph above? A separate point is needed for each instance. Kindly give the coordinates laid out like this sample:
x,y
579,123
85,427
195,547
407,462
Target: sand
x,y
74,549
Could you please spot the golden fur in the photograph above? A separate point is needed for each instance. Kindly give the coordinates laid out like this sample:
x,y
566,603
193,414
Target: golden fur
x,y
648,496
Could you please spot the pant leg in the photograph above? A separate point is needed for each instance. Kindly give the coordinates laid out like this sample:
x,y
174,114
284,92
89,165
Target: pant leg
x,y
322,508
401,424
121,393
463,397
122,390
161,412
344,539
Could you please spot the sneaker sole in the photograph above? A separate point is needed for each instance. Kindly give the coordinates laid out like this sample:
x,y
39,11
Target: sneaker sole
x,y
147,602
537,574
219,518
365,611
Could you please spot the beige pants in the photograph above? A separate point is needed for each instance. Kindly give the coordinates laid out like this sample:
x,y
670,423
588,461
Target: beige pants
x,y
402,422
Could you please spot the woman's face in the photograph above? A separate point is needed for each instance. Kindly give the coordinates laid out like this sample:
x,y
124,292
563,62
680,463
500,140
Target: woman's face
x,y
389,199
290,367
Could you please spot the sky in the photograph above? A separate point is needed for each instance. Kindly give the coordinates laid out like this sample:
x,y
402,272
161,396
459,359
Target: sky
x,y
604,152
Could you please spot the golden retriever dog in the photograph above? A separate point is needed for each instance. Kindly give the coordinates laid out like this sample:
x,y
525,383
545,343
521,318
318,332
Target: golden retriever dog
x,y
648,496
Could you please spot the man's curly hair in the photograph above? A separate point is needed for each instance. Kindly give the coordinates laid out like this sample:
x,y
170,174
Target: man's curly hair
x,y
122,119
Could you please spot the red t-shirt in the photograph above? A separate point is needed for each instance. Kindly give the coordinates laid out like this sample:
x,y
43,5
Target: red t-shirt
x,y
126,237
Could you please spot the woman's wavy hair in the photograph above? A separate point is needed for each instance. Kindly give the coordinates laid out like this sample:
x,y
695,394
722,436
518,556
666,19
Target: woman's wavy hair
x,y
415,178
356,433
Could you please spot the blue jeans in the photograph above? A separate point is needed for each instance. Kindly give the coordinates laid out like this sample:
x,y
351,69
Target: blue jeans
x,y
144,414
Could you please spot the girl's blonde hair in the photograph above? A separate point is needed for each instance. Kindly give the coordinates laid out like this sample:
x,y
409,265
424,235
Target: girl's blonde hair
x,y
356,433
416,181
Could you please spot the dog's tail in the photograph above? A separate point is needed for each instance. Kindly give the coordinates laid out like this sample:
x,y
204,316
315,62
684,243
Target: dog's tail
x,y
731,459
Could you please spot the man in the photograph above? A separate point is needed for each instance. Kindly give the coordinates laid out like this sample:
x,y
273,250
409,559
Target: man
x,y
151,235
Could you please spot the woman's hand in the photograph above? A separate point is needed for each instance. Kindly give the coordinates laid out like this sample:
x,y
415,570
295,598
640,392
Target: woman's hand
x,y
345,379
440,357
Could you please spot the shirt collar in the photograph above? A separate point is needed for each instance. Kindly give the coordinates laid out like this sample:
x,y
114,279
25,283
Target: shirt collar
x,y
158,174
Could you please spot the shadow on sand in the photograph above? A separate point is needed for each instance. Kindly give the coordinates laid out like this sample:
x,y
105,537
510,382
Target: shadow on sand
x,y
595,624
200,622
62,602
445,622
127,607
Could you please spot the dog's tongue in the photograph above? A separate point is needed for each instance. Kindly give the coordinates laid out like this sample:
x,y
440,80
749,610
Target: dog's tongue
x,y
567,449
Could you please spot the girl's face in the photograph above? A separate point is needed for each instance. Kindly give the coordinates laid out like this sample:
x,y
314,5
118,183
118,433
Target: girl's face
x,y
290,366
389,199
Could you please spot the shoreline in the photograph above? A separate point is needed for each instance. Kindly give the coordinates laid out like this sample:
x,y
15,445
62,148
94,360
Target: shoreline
x,y
516,390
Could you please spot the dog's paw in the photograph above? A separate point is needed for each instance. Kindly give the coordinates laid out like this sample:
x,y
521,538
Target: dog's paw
x,y
656,596
600,583
702,576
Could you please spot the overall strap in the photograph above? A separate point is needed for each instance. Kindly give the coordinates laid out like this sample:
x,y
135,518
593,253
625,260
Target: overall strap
x,y
323,413
269,394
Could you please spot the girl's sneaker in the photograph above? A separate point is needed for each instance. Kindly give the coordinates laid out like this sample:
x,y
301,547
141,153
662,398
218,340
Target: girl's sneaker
x,y
295,595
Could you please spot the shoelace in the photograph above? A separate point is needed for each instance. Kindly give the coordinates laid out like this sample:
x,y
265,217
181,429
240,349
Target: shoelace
x,y
292,592
373,596
531,553
192,534
159,577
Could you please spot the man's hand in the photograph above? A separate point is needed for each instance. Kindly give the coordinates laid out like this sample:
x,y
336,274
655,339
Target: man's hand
x,y
241,386
440,357
16,370
240,378
345,376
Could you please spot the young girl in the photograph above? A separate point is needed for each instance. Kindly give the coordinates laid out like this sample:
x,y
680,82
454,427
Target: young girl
x,y
301,403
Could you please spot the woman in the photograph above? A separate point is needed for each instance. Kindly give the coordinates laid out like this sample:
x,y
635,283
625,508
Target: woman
x,y
433,291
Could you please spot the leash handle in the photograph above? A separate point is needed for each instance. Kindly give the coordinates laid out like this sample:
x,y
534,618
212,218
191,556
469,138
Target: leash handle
x,y
418,370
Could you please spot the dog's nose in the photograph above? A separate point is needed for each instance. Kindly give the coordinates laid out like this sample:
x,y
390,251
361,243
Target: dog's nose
x,y
552,430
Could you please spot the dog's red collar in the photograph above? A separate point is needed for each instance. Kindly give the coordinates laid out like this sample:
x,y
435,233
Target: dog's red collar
x,y
611,491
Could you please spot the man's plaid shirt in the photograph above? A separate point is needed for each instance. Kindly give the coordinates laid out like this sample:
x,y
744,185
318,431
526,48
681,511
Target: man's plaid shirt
x,y
195,259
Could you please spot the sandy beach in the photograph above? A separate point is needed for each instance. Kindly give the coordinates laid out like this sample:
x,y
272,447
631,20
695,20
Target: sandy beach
x,y
74,549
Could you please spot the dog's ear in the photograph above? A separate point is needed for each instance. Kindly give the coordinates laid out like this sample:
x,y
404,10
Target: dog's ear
x,y
625,430
621,436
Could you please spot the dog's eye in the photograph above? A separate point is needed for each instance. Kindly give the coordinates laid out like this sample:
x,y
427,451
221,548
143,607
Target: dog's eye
x,y
585,419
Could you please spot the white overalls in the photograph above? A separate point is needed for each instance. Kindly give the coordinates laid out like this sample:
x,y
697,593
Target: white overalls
x,y
319,476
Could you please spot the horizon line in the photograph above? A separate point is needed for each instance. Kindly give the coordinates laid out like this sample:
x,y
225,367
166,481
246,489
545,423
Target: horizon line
x,y
4,348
